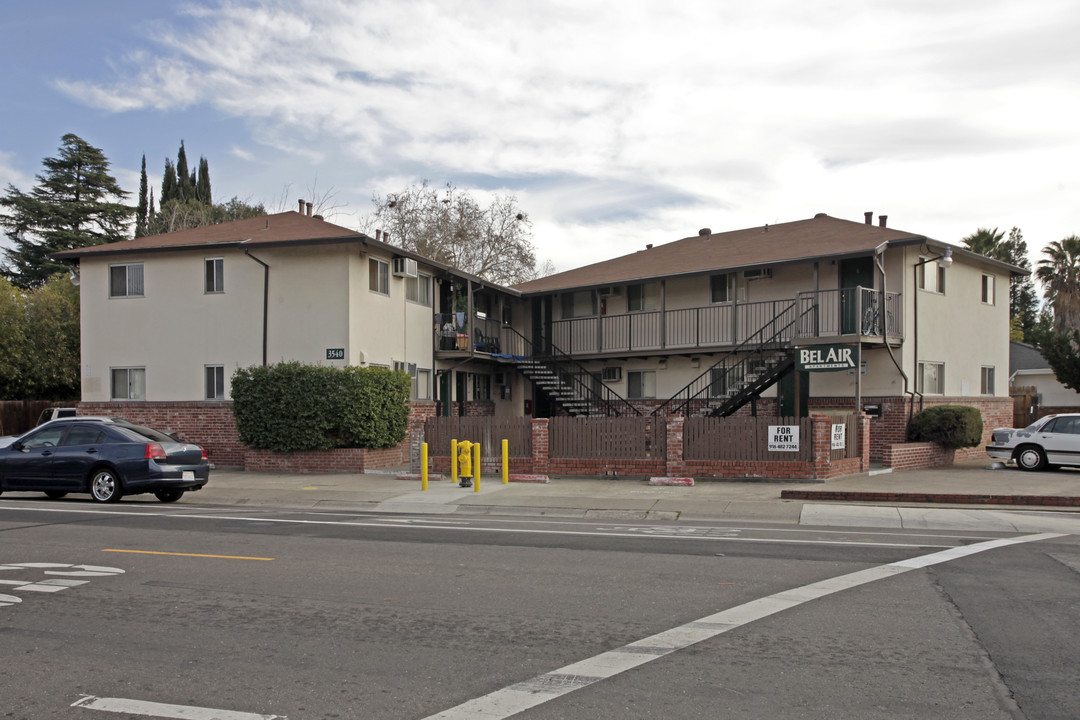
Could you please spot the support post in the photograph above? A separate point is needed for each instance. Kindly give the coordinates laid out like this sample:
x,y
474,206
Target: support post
x,y
423,466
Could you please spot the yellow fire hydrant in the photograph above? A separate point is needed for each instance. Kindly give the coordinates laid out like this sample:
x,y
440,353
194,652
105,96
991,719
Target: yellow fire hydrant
x,y
464,460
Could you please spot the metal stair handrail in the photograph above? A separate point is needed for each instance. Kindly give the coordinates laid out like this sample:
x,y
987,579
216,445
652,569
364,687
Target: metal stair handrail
x,y
753,344
557,361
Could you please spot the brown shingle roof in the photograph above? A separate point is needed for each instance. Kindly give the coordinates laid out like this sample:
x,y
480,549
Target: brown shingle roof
x,y
802,240
280,228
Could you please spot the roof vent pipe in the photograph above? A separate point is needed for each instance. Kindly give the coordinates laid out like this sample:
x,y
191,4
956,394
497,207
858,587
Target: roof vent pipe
x,y
308,209
882,219
869,217
704,232
301,206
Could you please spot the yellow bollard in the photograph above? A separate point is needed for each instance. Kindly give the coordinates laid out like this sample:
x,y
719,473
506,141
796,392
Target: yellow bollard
x,y
506,461
423,466
453,461
476,462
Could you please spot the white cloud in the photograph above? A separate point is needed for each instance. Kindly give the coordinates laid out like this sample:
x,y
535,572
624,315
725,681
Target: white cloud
x,y
651,121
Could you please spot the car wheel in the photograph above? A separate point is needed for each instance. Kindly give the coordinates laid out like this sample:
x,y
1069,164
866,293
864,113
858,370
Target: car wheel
x,y
1030,457
105,486
55,494
168,495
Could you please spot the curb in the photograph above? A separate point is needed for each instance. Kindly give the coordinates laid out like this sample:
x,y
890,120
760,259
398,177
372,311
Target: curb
x,y
683,481
945,498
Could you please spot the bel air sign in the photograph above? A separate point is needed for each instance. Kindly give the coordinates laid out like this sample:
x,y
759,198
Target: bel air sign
x,y
825,358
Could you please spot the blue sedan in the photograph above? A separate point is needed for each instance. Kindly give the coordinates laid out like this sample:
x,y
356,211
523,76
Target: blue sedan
x,y
106,457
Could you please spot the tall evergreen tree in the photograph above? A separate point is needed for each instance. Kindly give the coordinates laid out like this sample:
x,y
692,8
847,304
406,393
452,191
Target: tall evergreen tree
x,y
169,190
202,187
76,203
185,186
142,212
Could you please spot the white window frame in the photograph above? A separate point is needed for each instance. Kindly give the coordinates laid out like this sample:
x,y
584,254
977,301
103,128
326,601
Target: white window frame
x,y
215,384
579,304
379,276
724,285
418,289
989,289
421,384
921,384
643,297
138,392
938,278
134,280
645,382
986,380
214,275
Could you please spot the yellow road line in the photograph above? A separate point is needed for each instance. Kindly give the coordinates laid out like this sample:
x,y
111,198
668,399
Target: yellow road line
x,y
154,552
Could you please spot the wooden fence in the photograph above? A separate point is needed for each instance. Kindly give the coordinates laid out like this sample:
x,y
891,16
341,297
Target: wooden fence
x,y
18,416
741,438
615,438
488,431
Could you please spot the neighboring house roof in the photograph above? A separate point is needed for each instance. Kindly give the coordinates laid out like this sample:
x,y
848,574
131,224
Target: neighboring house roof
x,y
1026,357
279,230
799,241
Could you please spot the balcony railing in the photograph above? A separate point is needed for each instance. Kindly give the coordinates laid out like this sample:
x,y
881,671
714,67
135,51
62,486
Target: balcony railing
x,y
854,311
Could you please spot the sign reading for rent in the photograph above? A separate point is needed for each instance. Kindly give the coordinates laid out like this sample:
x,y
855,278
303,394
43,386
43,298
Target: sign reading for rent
x,y
783,438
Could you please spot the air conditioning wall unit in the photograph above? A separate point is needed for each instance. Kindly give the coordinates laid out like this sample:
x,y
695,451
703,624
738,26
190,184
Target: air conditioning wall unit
x,y
757,273
405,267
611,374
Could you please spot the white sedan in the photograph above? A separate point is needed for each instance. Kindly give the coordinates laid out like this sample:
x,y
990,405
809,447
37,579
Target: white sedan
x,y
1047,442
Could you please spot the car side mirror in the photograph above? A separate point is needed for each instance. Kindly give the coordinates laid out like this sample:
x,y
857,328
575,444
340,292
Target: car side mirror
x,y
16,446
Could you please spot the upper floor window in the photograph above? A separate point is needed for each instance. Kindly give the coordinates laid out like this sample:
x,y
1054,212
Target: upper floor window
x,y
128,383
215,275
987,381
126,280
418,289
379,276
641,297
988,289
578,304
722,288
932,277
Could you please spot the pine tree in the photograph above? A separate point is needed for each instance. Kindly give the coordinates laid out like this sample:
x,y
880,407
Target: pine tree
x,y
76,203
142,212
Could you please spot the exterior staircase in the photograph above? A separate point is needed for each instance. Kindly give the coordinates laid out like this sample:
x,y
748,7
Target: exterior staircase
x,y
744,373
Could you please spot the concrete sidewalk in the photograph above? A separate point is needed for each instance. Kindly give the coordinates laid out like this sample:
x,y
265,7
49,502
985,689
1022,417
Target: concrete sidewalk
x,y
967,485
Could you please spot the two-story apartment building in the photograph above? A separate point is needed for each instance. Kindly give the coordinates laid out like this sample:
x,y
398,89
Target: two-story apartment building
x,y
706,324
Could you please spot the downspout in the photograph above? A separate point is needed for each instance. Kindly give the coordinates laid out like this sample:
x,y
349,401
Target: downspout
x,y
879,253
266,299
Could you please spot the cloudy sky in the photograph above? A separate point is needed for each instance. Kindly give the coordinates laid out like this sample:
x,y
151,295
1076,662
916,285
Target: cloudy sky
x,y
615,124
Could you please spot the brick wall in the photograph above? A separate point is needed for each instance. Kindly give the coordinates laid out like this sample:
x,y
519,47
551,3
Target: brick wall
x,y
916,456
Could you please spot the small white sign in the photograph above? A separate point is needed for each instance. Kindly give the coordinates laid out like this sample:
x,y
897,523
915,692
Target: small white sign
x,y
839,436
783,438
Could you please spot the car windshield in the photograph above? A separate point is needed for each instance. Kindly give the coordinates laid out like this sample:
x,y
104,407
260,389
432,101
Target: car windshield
x,y
139,433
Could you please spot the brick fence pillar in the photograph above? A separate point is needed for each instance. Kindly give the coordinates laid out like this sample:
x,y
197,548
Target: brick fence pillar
x,y
540,457
676,465
821,432
864,440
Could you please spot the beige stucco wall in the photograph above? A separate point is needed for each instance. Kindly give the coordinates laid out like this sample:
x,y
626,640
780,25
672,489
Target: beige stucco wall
x,y
318,299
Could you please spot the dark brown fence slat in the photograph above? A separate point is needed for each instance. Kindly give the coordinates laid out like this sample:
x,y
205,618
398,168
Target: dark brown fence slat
x,y
613,438
488,431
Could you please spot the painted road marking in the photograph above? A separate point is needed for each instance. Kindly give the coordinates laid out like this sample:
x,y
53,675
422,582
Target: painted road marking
x,y
518,530
156,552
542,688
162,710
54,584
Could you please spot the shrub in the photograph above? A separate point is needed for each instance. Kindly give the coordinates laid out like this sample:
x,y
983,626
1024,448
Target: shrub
x,y
951,426
290,407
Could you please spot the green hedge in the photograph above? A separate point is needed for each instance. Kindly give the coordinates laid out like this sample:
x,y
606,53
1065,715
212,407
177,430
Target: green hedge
x,y
951,426
292,407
